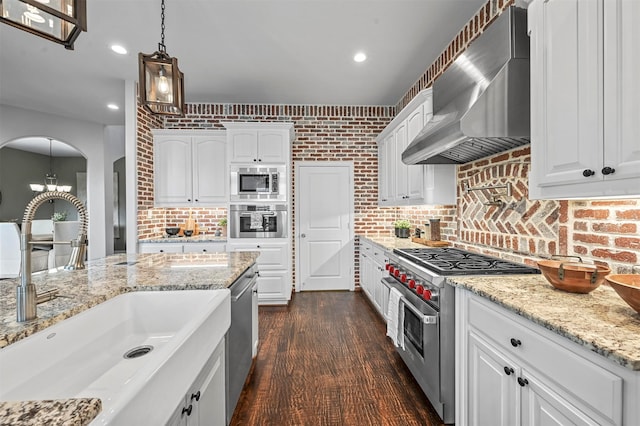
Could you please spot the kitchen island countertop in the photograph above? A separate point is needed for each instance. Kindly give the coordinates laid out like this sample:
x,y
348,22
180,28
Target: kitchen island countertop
x,y
102,280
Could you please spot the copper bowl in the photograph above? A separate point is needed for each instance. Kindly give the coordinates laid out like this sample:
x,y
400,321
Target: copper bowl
x,y
628,288
573,277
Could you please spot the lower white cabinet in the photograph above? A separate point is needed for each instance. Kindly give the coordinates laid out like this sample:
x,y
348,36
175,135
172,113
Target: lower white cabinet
x,y
204,403
181,247
513,372
274,266
372,270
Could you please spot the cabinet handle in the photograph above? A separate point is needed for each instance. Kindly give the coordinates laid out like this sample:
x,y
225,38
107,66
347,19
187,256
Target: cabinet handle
x,y
588,172
515,342
187,410
522,382
608,171
508,370
195,396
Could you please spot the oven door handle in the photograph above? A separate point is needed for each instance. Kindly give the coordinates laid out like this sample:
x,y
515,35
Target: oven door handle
x,y
426,319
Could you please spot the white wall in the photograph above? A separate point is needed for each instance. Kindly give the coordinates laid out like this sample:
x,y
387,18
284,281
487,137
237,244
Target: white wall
x,y
96,145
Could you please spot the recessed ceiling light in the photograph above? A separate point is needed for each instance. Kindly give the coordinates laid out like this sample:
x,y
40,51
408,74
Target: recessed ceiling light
x,y
360,57
120,50
113,107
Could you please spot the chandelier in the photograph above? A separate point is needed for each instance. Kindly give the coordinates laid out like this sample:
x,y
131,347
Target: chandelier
x,y
50,179
161,84
60,21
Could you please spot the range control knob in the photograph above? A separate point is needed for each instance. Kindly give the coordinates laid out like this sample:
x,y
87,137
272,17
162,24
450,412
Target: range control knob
x,y
412,283
419,289
387,266
396,273
403,278
391,269
426,294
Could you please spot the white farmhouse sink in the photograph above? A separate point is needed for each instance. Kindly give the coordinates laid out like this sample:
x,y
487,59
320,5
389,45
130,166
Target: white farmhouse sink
x,y
83,356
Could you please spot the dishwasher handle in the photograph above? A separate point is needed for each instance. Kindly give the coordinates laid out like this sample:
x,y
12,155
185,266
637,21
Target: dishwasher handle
x,y
247,281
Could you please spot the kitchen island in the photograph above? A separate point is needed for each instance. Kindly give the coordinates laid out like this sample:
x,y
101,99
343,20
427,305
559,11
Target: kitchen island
x,y
102,280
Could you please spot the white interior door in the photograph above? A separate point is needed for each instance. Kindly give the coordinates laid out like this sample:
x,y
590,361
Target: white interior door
x,y
324,226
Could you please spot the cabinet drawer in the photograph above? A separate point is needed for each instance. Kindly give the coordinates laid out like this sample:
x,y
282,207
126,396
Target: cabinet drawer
x,y
160,248
591,385
204,247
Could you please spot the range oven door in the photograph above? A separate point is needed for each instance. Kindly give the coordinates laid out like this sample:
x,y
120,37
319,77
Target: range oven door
x,y
258,221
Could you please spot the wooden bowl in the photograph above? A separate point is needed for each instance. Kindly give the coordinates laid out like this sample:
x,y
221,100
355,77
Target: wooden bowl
x,y
628,288
573,277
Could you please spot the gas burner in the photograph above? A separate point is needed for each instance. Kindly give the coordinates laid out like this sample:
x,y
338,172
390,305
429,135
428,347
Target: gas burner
x,y
452,261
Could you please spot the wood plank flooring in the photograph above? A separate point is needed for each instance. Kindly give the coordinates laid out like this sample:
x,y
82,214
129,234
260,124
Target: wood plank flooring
x,y
325,360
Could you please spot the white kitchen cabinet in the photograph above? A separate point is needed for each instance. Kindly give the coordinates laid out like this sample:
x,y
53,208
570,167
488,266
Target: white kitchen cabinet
x,y
401,184
177,247
584,91
372,270
266,143
274,266
511,371
190,168
204,403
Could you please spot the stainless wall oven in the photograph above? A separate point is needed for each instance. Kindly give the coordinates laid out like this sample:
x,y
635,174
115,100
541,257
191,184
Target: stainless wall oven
x,y
258,221
258,183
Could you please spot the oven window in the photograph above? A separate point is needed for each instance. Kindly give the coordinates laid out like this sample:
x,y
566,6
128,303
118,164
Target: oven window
x,y
253,183
413,330
269,223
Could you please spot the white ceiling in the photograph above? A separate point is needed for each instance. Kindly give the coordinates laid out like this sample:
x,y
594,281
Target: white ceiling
x,y
235,51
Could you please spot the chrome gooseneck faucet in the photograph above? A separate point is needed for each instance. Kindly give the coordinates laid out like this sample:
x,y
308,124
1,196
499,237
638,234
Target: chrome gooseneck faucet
x,y
26,295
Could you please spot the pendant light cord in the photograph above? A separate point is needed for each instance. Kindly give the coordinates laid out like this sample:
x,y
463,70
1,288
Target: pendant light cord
x,y
161,47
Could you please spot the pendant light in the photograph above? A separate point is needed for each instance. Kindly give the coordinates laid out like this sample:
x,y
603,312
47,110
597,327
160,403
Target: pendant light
x,y
161,84
61,22
50,179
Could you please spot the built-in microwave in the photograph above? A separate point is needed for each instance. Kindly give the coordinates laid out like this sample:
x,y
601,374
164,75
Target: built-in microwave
x,y
258,221
258,183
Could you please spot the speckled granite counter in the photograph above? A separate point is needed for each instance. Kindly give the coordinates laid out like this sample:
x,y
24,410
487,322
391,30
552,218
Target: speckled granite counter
x,y
201,238
391,243
100,281
600,321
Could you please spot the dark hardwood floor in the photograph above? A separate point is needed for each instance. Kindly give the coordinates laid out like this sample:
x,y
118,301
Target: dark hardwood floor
x,y
325,360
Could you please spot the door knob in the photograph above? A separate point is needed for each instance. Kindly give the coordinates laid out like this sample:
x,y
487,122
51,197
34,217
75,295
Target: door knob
x,y
303,235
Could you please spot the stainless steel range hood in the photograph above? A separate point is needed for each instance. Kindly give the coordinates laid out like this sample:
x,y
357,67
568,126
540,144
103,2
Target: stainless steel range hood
x,y
481,101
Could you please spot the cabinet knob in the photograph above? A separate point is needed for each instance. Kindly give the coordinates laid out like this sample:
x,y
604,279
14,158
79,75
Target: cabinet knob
x,y
187,410
608,170
255,159
196,200
508,370
259,159
257,246
189,199
588,172
522,382
515,342
204,250
195,396
161,251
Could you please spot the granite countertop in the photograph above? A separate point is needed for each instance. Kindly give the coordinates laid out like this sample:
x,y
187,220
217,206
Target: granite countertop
x,y
391,243
201,238
600,321
104,279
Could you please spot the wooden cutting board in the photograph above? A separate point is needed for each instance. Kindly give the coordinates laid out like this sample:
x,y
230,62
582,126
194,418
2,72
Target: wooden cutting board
x,y
430,243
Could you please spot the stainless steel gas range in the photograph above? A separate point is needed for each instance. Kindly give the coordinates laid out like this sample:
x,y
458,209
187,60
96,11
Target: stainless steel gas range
x,y
428,312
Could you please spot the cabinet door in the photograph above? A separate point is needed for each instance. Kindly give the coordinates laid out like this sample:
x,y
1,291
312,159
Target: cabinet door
x,y
621,89
274,287
272,146
208,396
172,170
402,170
386,171
566,91
415,174
492,394
210,175
382,296
243,146
542,406
272,255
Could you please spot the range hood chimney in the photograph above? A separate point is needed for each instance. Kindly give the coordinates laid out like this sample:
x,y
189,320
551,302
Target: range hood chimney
x,y
481,102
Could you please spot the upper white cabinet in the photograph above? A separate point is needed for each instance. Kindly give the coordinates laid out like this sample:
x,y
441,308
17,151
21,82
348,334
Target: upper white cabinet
x,y
190,168
584,98
401,184
267,143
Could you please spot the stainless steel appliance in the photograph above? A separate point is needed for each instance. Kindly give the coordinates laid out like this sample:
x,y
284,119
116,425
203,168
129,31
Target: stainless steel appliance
x,y
239,344
481,101
258,221
428,311
258,183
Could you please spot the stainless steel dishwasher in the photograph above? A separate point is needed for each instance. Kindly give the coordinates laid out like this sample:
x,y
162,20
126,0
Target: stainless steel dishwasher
x,y
239,346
